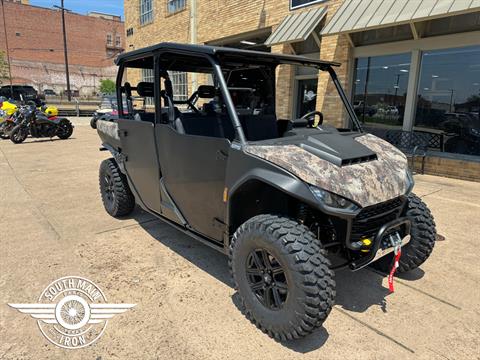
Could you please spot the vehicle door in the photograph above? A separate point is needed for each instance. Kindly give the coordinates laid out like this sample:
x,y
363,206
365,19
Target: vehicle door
x,y
193,159
137,132
193,169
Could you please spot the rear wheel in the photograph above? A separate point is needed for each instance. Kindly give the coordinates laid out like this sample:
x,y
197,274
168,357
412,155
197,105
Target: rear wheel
x,y
18,134
423,235
65,129
282,276
117,198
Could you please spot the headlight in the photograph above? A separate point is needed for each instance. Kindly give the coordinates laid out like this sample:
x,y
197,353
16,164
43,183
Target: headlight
x,y
410,182
332,200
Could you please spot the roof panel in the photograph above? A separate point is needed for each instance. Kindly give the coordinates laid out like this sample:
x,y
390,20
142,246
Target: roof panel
x,y
348,10
231,53
357,14
371,10
301,27
334,19
381,13
409,10
361,15
460,5
425,8
442,7
297,27
394,12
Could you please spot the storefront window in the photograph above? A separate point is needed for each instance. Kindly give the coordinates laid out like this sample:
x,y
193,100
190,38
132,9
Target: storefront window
x,y
380,91
448,100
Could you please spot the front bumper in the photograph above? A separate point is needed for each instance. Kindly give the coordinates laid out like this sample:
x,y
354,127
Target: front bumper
x,y
380,248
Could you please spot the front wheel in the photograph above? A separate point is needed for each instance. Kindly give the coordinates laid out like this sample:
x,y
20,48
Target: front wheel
x,y
93,122
282,276
65,129
18,134
117,198
423,236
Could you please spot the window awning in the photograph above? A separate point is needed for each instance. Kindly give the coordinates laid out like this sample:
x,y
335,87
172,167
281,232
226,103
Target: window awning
x,y
297,27
362,15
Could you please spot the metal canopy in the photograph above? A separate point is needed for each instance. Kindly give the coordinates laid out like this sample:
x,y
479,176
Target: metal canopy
x,y
361,15
297,27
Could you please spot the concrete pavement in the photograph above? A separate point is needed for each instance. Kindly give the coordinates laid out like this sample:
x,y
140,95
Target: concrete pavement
x,y
53,225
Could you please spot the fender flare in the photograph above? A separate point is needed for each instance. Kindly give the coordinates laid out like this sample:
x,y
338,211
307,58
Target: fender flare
x,y
276,178
118,156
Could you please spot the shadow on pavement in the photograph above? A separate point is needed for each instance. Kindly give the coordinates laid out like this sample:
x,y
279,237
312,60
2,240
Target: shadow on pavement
x,y
356,291
42,140
207,259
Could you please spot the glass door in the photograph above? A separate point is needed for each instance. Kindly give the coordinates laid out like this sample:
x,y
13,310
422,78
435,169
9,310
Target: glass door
x,y
306,96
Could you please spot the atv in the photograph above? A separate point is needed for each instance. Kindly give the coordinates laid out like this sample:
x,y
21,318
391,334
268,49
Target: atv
x,y
288,200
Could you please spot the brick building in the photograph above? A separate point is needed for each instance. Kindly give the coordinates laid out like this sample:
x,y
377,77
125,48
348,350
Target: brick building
x,y
407,65
35,42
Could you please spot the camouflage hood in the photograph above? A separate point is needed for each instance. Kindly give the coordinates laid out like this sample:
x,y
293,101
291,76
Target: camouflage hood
x,y
373,180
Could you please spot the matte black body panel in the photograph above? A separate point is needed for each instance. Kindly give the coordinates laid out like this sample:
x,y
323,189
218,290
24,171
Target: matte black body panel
x,y
243,167
194,175
138,147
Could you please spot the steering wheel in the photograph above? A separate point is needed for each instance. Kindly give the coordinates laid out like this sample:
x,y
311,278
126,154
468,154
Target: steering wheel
x,y
311,114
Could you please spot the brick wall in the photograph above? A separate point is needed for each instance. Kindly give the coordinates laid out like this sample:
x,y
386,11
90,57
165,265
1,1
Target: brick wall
x,y
35,41
453,168
217,19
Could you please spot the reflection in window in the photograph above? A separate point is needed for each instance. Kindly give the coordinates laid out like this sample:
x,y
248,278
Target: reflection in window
x,y
449,98
176,5
296,4
380,91
146,12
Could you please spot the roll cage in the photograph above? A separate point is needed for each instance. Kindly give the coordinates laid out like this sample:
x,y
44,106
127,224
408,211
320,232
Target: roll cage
x,y
219,60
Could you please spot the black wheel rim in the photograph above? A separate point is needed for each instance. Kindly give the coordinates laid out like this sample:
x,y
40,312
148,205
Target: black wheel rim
x,y
65,129
108,186
267,279
19,135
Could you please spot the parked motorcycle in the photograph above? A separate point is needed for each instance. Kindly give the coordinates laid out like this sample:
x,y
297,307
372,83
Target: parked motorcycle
x,y
31,121
7,111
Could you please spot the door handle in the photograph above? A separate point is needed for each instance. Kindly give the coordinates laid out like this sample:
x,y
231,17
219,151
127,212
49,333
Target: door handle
x,y
221,155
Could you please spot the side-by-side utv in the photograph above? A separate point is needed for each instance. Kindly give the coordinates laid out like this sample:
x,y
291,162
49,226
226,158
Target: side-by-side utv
x,y
288,200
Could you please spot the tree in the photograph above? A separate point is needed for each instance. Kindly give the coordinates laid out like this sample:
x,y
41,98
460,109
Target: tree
x,y
3,67
107,86
474,98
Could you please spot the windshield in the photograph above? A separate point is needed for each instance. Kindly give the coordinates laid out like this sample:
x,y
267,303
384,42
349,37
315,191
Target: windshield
x,y
310,100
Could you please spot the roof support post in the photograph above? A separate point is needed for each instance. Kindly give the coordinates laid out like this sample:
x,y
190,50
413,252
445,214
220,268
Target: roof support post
x,y
410,102
414,31
228,100
349,39
292,49
317,39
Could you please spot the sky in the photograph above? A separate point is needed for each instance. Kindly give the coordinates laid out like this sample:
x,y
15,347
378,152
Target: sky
x,y
114,7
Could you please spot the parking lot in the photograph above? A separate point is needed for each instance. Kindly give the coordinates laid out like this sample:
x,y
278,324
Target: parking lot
x,y
53,224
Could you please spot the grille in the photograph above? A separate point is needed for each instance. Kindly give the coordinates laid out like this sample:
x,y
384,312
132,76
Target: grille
x,y
372,218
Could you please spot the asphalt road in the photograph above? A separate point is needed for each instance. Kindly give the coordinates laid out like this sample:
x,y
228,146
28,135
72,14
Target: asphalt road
x,y
53,224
